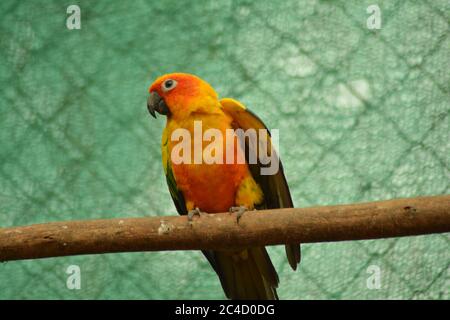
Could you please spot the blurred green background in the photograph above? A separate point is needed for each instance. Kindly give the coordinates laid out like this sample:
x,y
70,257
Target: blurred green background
x,y
363,115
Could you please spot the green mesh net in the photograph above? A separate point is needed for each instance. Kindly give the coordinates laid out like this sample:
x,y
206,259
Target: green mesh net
x,y
363,115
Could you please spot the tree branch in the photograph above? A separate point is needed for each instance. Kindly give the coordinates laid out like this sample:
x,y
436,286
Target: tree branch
x,y
393,218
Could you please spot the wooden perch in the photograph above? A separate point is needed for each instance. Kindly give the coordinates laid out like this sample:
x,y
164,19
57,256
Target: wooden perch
x,y
383,219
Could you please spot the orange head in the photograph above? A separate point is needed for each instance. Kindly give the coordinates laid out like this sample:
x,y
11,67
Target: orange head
x,y
179,94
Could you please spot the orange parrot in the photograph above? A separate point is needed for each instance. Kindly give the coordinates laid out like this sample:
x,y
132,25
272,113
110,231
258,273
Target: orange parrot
x,y
220,187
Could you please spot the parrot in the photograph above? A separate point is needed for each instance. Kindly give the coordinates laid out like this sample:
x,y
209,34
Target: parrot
x,y
202,188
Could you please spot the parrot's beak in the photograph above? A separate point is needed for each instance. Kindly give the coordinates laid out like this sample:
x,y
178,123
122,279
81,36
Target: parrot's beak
x,y
156,103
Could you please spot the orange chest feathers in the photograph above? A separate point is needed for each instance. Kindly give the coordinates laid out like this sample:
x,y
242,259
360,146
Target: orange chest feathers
x,y
199,161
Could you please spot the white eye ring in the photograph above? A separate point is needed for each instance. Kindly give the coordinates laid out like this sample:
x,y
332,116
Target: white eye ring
x,y
168,85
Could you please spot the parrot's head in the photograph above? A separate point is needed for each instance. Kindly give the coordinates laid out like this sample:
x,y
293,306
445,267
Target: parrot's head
x,y
179,94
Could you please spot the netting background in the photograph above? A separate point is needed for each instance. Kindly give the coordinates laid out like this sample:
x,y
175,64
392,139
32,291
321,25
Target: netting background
x,y
363,115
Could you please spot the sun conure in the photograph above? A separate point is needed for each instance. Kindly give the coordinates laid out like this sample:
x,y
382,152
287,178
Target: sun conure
x,y
217,187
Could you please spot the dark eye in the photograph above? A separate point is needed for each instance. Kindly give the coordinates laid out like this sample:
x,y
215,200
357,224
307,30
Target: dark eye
x,y
169,84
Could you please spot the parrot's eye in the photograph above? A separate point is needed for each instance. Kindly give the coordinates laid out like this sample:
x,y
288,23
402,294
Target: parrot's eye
x,y
169,84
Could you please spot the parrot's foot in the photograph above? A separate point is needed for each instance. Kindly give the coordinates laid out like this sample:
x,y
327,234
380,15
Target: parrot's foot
x,y
239,212
194,212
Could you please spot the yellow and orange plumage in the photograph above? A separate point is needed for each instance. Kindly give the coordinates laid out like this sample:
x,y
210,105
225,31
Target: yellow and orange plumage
x,y
244,274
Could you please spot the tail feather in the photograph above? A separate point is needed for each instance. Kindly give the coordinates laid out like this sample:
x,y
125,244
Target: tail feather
x,y
255,283
265,265
258,281
293,254
247,274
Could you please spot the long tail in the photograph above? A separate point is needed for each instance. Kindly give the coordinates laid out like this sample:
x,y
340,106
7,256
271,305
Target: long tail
x,y
248,274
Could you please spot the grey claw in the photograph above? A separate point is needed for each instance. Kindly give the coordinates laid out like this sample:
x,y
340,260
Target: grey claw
x,y
239,212
193,212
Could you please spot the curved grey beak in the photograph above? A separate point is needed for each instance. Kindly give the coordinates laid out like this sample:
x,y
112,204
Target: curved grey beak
x,y
156,103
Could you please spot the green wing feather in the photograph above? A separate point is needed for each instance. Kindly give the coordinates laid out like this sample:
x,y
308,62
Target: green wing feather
x,y
175,193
